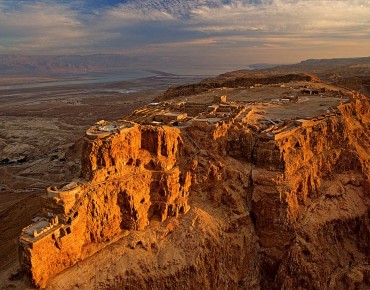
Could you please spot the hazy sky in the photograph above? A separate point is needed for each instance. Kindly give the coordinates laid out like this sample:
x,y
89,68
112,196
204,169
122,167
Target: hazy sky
x,y
230,33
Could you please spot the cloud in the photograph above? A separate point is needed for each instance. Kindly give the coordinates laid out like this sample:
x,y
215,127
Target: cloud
x,y
202,31
41,27
196,20
284,16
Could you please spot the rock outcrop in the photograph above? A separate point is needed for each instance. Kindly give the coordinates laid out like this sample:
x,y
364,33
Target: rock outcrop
x,y
129,177
282,208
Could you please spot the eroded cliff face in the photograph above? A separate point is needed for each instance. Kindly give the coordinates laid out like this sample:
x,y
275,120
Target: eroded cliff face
x,y
307,195
316,232
128,179
281,210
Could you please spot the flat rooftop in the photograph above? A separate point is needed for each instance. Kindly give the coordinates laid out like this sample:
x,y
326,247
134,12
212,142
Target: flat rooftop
x,y
36,227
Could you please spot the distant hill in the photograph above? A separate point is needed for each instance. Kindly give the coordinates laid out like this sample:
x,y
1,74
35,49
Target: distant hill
x,y
344,66
353,73
262,65
49,64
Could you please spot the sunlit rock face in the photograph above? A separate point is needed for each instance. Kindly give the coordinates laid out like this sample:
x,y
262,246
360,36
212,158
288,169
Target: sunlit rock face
x,y
129,177
212,204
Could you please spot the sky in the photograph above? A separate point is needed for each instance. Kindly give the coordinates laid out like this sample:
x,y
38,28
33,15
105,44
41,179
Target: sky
x,y
224,33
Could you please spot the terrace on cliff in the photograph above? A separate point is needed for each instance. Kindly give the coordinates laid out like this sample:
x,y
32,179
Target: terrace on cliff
x,y
252,162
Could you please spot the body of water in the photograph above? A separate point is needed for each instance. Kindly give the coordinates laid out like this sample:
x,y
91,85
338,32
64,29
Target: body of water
x,y
125,75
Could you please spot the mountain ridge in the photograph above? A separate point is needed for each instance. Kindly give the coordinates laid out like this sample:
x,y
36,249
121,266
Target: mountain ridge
x,y
13,64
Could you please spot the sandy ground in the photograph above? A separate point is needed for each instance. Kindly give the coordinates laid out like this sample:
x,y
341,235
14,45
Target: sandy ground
x,y
38,126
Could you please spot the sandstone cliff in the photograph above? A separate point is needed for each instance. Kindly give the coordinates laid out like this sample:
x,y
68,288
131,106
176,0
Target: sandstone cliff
x,y
285,208
128,178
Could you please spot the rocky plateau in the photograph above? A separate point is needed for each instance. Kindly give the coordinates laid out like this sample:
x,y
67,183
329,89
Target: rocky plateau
x,y
267,187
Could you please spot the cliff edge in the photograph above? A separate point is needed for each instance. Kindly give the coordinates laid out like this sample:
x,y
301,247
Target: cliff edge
x,y
218,194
